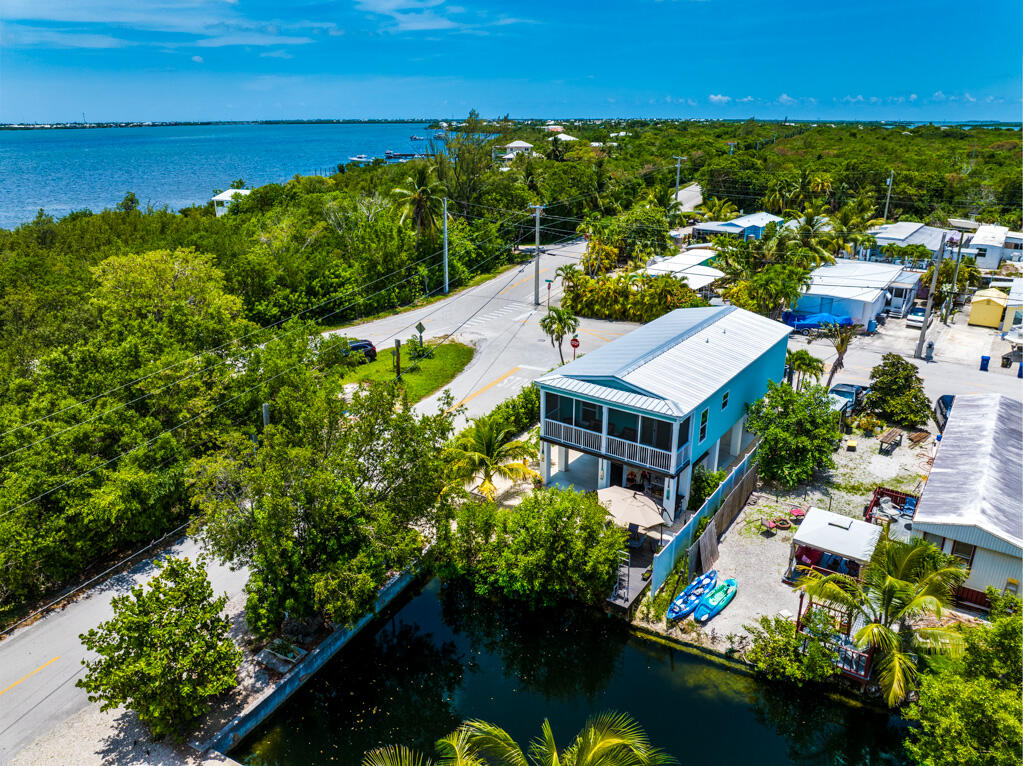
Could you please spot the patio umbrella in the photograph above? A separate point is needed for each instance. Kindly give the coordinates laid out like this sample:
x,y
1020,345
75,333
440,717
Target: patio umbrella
x,y
629,507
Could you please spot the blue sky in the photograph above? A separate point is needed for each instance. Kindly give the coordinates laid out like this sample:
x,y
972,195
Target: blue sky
x,y
253,59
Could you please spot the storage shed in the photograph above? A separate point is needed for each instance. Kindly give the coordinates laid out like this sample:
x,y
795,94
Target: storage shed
x,y
987,307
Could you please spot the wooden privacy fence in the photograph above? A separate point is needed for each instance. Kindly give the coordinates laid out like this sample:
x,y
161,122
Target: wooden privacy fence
x,y
676,548
706,551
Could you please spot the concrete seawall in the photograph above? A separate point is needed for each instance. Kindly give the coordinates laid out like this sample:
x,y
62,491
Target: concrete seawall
x,y
276,694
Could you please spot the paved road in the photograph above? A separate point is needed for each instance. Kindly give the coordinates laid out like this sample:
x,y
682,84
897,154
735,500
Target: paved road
x,y
954,369
39,664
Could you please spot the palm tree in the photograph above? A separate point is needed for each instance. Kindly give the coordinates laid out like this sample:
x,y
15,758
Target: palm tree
x,y
808,240
420,198
841,338
805,365
902,581
487,450
569,274
716,209
558,323
608,739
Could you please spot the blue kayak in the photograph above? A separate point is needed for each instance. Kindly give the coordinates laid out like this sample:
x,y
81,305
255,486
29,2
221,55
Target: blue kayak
x,y
716,600
686,601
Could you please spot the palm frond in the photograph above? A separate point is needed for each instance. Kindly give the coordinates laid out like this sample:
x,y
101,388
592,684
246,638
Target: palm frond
x,y
395,755
493,741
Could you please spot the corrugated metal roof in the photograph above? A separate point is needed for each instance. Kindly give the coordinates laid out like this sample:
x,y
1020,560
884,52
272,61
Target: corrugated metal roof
x,y
682,358
855,280
989,236
977,477
756,219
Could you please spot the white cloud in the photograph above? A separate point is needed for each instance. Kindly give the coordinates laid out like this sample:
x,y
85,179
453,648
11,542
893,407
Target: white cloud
x,y
429,15
279,54
785,98
717,98
250,38
938,96
197,59
745,100
874,100
912,97
969,98
853,99
691,102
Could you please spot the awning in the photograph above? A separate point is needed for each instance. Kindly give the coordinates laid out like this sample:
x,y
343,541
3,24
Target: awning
x,y
627,507
837,534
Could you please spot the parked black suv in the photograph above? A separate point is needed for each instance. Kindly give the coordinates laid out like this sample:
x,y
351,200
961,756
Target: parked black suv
x,y
366,347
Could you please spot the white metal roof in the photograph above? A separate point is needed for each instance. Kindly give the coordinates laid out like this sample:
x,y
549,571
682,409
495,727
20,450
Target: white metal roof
x,y
518,145
675,363
912,233
756,219
989,236
853,280
837,534
563,137
977,477
229,194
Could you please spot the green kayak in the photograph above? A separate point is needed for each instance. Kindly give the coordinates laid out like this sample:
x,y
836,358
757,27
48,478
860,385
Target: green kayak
x,y
716,600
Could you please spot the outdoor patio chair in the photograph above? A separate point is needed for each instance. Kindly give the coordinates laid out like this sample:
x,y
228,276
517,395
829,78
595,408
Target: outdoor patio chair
x,y
768,525
635,538
909,509
798,514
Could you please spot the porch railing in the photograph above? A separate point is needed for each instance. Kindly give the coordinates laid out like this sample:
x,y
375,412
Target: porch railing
x,y
626,451
638,454
571,435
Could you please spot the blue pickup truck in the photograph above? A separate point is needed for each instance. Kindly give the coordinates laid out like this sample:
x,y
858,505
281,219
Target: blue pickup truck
x,y
804,323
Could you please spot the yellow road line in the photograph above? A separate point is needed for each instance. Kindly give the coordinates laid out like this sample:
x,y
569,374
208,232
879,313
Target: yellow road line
x,y
45,664
474,394
597,334
531,276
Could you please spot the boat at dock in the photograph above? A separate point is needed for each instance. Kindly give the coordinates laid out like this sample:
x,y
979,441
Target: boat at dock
x,y
359,158
414,137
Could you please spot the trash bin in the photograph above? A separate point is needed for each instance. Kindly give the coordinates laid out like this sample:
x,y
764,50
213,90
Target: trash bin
x,y
984,362
1006,361
871,326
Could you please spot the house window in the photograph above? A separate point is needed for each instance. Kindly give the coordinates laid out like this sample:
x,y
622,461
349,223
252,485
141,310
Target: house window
x,y
655,433
963,551
724,401
704,417
558,408
936,540
622,425
683,432
589,416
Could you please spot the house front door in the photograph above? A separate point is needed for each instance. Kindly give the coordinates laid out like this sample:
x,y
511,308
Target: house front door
x,y
616,474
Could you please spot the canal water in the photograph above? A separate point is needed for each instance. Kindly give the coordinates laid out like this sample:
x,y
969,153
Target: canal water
x,y
443,655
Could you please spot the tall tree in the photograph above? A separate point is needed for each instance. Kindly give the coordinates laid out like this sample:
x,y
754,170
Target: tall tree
x,y
803,366
901,582
420,199
556,324
608,739
485,450
841,338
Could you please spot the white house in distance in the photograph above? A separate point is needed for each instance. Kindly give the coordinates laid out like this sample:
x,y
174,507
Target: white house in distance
x,y
223,200
994,244
972,504
518,147
690,265
859,289
563,137
652,404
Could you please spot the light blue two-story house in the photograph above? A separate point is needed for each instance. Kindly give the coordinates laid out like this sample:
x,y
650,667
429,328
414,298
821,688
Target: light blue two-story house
x,y
651,405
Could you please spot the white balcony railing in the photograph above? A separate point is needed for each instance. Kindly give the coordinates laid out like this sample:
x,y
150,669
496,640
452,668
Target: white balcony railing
x,y
571,435
638,454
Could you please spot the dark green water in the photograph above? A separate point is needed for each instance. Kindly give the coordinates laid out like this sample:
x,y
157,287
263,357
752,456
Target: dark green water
x,y
441,656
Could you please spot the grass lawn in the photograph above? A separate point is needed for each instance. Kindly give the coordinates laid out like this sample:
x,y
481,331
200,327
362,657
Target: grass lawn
x,y
429,375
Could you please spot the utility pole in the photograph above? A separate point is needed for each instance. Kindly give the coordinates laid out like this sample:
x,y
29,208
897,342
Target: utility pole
x,y
678,173
955,278
397,358
266,414
536,262
930,299
445,245
888,198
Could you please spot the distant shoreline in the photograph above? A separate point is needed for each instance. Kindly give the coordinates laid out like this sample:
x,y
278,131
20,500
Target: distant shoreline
x,y
196,123
433,123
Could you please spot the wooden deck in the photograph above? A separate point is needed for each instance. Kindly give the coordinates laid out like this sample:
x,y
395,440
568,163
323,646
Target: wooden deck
x,y
631,585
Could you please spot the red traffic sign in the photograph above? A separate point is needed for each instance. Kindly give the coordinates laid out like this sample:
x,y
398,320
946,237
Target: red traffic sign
x,y
574,343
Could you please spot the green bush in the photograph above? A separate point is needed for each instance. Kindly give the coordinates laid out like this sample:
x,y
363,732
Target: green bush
x,y
557,544
781,654
165,652
897,392
703,485
521,412
798,432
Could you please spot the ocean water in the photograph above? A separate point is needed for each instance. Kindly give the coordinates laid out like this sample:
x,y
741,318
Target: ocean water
x,y
176,166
